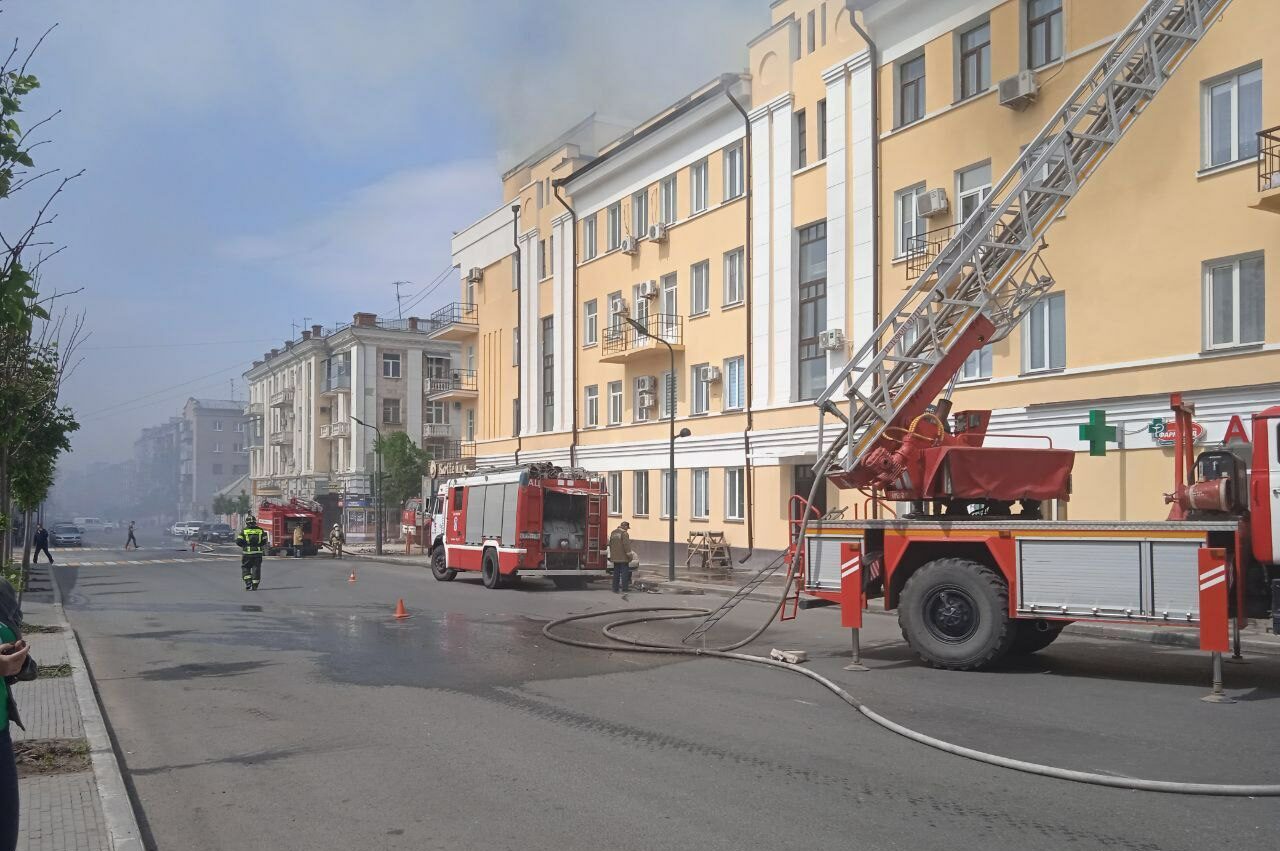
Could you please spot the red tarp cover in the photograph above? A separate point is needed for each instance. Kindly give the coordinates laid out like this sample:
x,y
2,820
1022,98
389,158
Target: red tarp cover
x,y
994,472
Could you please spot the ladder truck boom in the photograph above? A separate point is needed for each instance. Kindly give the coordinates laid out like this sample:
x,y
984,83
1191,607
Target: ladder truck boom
x,y
986,278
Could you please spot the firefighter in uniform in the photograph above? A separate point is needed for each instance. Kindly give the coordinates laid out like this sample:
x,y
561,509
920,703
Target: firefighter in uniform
x,y
252,541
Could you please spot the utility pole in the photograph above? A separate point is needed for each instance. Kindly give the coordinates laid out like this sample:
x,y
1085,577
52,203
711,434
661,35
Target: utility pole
x,y
397,285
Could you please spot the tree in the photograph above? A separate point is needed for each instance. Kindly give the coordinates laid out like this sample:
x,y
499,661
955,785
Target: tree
x,y
403,466
242,505
223,504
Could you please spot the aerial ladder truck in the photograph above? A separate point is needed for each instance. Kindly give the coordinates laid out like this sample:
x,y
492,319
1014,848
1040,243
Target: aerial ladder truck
x,y
974,568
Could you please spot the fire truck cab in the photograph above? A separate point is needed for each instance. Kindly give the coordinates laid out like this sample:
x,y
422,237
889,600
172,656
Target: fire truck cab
x,y
533,520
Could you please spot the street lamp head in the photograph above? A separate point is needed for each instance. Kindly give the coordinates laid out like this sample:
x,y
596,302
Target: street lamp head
x,y
684,432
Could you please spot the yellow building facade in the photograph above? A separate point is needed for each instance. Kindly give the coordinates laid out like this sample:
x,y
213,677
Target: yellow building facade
x,y
766,208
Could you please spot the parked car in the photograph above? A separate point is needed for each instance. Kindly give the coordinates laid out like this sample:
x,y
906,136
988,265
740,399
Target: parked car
x,y
90,524
216,533
186,528
65,535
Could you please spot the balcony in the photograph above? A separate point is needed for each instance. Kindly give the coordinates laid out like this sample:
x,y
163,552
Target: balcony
x,y
457,321
282,438
1269,170
451,450
438,431
282,399
623,343
340,383
922,250
332,431
253,409
458,384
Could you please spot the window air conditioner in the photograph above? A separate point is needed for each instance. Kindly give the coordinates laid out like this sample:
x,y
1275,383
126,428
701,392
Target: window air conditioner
x,y
649,289
475,275
620,307
933,203
710,374
647,400
629,245
658,232
1019,91
646,383
832,340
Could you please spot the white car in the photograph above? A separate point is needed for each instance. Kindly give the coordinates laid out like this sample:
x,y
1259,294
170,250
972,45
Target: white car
x,y
185,528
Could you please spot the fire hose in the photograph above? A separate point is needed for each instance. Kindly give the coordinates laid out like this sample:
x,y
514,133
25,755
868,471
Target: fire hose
x,y
649,614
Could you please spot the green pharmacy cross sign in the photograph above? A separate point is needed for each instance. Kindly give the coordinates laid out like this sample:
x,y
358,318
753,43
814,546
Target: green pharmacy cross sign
x,y
1098,433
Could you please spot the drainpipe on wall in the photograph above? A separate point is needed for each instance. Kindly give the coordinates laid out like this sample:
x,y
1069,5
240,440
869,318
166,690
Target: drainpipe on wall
x,y
515,240
748,471
573,316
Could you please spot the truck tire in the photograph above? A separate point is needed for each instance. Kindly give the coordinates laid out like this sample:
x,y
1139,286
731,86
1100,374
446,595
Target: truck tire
x,y
955,614
438,568
1031,636
489,572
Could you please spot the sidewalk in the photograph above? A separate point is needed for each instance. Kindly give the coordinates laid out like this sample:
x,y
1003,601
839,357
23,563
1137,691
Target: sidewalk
x,y
81,810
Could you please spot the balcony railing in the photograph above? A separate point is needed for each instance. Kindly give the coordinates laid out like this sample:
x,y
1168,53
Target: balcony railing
x,y
253,409
453,450
336,383
925,248
1269,160
457,381
623,339
282,438
455,321
282,398
438,431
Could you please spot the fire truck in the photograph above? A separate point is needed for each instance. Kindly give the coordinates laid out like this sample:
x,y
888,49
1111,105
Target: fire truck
x,y
279,519
952,526
530,520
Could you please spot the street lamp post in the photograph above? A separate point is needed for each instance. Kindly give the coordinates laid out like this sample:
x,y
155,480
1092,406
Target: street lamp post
x,y
377,483
671,447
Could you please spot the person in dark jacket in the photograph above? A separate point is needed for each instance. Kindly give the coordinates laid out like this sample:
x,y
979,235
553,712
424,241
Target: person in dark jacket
x,y
16,665
620,555
41,541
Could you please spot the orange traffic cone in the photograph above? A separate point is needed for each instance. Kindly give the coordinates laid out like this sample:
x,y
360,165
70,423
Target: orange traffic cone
x,y
352,577
401,614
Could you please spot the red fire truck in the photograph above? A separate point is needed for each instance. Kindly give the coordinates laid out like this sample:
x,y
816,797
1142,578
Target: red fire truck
x,y
531,520
279,519
971,561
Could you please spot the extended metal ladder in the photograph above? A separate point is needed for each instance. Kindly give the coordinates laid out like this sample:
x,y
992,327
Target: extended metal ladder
x,y
595,540
992,265
738,596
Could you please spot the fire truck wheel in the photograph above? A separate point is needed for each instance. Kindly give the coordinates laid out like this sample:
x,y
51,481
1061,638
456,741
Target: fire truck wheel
x,y
489,572
1034,635
438,570
955,614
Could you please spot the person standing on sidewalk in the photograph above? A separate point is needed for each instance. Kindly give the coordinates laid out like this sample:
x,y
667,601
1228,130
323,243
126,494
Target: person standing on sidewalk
x,y
132,539
620,555
15,666
41,542
252,542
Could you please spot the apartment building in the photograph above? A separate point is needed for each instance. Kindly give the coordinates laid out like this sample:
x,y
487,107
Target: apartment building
x,y
212,453
765,250
307,401
153,481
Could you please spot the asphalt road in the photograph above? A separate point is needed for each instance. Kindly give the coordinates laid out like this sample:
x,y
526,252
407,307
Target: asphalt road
x,y
303,716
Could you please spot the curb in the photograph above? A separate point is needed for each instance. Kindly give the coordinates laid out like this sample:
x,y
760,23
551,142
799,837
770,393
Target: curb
x,y
117,809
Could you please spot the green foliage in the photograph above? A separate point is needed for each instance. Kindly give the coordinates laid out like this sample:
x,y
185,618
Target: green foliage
x,y
242,504
403,466
222,504
17,290
12,573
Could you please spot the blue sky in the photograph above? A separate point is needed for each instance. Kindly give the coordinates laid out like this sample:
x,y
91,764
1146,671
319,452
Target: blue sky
x,y
249,164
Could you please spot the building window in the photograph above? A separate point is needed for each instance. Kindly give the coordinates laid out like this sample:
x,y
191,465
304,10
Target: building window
x,y
515,346
591,406
1232,116
590,324
217,447
240,427
908,221
910,90
667,402
589,237
668,501
435,413
735,384
615,493
977,365
217,425
217,469
640,213
615,403
1044,339
699,288
640,493
541,193
1234,302
391,411
799,139
733,171
811,42
551,255
614,236
822,129
471,425
734,285
667,193
668,306
973,185
811,358
700,399
701,495
471,358
698,187
515,417
542,259
616,324
548,374
238,448
1044,32
641,411
390,365
974,49
735,493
